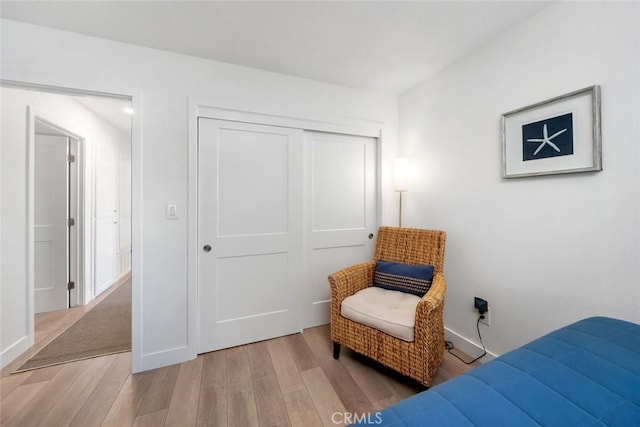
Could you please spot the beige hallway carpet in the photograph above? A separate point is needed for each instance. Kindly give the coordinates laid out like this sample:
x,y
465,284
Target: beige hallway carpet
x,y
105,329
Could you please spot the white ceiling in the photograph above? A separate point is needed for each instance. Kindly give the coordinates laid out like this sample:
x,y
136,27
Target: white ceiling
x,y
378,46
109,109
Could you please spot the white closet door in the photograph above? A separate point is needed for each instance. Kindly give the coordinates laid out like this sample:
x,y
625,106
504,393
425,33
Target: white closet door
x,y
249,228
50,233
106,219
340,213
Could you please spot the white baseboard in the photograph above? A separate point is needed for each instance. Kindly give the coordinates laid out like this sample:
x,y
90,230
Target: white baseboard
x,y
13,351
466,345
123,277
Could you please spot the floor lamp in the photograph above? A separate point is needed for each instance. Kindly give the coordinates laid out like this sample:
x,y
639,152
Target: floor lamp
x,y
401,181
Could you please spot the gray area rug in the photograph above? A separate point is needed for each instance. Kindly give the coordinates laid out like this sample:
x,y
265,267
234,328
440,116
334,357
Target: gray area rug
x,y
103,330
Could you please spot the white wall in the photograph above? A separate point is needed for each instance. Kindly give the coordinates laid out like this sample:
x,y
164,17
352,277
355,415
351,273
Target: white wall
x,y
67,113
162,83
543,251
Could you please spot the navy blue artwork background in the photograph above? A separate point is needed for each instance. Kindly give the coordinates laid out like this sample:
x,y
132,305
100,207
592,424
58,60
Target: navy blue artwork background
x,y
564,141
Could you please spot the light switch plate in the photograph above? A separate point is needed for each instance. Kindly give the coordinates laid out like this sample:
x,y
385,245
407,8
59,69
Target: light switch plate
x,y
171,211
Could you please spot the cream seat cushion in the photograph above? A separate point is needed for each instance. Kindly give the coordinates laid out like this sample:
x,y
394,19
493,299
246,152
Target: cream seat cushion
x,y
393,312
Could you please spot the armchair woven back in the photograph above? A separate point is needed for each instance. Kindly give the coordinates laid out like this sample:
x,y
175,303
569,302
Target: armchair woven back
x,y
411,246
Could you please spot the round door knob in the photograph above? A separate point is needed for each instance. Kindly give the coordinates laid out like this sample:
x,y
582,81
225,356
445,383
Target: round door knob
x,y
206,248
370,236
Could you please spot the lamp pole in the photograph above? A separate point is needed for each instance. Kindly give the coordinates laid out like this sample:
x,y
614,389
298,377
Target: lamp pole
x,y
400,210
401,181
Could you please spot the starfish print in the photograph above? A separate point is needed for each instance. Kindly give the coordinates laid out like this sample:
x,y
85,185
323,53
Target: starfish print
x,y
546,139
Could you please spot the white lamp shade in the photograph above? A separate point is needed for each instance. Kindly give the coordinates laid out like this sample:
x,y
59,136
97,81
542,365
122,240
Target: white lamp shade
x,y
401,174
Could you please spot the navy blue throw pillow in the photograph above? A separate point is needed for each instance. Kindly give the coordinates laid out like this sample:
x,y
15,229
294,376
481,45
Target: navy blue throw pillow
x,y
412,279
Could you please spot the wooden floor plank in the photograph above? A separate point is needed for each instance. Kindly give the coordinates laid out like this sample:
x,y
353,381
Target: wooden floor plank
x,y
95,409
241,406
53,391
212,407
183,409
302,354
259,360
323,395
151,419
238,369
284,365
241,409
124,409
212,404
159,392
14,403
384,403
12,382
42,374
398,385
301,410
350,393
371,381
78,392
269,402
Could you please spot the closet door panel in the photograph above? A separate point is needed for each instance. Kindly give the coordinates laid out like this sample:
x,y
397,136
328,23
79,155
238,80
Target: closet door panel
x,y
249,228
278,210
340,212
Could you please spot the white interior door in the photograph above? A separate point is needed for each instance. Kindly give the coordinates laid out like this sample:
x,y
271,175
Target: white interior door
x,y
249,228
106,219
50,233
340,212
73,230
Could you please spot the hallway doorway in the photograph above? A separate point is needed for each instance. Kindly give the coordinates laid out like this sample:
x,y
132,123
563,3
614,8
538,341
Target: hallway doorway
x,y
78,148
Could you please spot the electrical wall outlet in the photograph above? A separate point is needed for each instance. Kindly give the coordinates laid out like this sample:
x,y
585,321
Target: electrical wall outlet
x,y
480,304
487,317
483,308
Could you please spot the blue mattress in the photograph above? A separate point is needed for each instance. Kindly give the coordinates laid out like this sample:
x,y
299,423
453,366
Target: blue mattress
x,y
585,374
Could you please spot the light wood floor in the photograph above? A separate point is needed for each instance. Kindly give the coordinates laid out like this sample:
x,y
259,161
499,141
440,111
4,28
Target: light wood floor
x,y
291,380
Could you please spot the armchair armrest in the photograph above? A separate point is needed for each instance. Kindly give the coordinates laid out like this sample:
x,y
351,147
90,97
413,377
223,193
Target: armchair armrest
x,y
350,280
429,311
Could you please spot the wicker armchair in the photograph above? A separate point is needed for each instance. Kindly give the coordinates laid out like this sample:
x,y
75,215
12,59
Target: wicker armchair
x,y
421,358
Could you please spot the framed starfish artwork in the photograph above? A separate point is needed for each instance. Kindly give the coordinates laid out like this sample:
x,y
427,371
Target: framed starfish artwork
x,y
556,136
